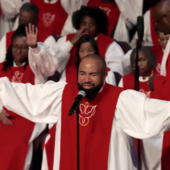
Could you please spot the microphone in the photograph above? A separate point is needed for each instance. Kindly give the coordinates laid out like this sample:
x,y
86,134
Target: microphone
x,y
77,101
140,28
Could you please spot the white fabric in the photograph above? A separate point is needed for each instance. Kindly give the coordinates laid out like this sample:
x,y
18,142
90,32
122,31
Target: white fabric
x,y
48,41
147,37
42,103
164,59
55,57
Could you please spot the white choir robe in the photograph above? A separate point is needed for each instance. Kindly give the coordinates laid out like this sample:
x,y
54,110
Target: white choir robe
x,y
48,41
147,37
135,116
60,53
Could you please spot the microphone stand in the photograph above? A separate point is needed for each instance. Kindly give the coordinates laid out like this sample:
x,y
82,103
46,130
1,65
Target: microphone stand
x,y
136,75
78,148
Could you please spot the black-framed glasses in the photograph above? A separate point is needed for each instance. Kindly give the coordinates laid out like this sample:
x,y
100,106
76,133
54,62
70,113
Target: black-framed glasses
x,y
22,48
156,22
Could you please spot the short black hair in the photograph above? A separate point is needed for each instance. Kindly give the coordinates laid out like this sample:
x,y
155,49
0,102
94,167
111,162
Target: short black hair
x,y
149,54
20,32
94,12
82,40
30,7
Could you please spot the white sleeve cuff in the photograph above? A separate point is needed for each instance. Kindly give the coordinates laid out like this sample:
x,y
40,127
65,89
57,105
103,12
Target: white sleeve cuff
x,y
67,47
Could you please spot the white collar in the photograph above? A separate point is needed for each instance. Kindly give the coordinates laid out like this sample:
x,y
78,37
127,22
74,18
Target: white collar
x,y
15,65
146,78
52,2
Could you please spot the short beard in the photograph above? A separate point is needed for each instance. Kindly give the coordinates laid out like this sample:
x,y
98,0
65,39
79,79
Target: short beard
x,y
91,93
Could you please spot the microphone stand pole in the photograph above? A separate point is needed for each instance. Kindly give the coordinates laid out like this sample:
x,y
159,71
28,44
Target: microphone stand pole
x,y
78,148
136,74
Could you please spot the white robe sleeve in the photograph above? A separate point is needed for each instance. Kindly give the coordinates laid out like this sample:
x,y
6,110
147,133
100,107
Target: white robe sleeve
x,y
45,60
113,57
121,83
141,117
11,8
38,103
147,38
3,48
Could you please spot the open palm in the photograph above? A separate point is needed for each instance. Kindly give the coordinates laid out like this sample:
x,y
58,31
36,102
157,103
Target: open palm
x,y
31,35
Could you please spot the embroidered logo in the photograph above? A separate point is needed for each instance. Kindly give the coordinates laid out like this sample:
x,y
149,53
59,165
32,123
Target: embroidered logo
x,y
86,112
48,19
106,10
158,68
17,77
145,92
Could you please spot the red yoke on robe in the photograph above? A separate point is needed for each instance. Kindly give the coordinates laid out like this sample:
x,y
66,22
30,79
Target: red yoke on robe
x,y
112,11
52,17
103,42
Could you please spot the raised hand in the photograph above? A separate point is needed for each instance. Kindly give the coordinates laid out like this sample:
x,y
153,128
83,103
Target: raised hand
x,y
31,35
4,118
77,36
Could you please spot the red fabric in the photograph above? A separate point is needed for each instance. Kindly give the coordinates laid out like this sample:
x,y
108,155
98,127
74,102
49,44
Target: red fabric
x,y
103,42
94,125
153,33
112,11
8,39
157,50
0,11
14,139
162,84
52,17
129,82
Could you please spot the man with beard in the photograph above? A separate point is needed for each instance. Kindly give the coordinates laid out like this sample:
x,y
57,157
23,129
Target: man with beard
x,y
108,117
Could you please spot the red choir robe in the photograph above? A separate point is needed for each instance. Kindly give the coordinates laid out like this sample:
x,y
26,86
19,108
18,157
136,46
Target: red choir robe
x,y
89,120
112,11
103,42
15,139
153,33
52,17
157,50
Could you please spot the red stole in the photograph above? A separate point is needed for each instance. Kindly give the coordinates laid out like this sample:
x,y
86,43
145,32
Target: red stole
x,y
41,37
129,81
14,152
112,11
96,118
103,42
158,54
18,74
153,33
52,17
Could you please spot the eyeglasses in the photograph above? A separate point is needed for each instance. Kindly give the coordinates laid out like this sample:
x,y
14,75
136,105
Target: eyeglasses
x,y
156,22
15,47
163,39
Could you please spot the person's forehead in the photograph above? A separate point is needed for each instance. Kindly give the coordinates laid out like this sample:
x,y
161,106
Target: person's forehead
x,y
88,18
26,14
19,40
90,64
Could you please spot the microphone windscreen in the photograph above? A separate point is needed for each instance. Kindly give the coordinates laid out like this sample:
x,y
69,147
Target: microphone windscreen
x,y
82,93
140,28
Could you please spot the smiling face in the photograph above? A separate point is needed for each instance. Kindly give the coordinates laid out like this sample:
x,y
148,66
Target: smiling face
x,y
91,76
86,49
145,68
90,25
19,50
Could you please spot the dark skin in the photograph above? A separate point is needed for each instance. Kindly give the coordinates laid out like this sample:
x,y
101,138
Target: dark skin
x,y
88,25
27,17
162,17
